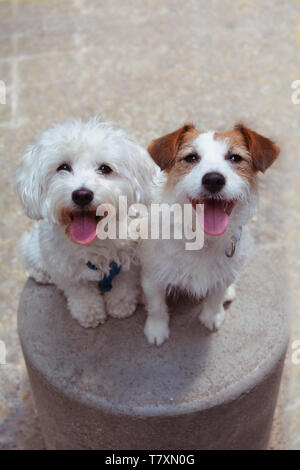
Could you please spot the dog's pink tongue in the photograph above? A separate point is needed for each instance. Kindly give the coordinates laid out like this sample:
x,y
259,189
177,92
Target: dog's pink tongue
x,y
83,228
215,218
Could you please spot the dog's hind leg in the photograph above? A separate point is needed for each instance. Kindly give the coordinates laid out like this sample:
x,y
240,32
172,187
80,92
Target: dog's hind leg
x,y
212,312
32,259
230,294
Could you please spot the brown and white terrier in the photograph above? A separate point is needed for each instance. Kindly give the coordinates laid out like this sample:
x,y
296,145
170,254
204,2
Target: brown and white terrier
x,y
218,170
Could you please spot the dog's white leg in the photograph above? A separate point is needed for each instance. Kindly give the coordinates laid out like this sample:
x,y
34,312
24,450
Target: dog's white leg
x,y
212,312
230,293
122,300
157,323
86,304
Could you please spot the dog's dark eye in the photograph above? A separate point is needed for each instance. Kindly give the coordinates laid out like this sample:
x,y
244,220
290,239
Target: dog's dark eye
x,y
235,158
64,167
191,158
104,169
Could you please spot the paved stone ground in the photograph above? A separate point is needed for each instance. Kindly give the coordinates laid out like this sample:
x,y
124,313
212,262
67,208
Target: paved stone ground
x,y
150,65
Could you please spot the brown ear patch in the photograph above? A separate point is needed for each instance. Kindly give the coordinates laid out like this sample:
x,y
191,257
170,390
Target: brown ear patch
x,y
262,150
164,149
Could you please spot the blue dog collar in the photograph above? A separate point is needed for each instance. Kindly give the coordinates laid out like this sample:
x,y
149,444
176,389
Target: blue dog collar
x,y
105,285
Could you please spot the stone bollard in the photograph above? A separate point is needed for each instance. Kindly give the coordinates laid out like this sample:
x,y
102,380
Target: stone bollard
x,y
106,388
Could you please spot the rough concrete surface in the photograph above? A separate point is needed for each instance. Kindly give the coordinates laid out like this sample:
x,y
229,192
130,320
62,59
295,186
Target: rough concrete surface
x,y
150,66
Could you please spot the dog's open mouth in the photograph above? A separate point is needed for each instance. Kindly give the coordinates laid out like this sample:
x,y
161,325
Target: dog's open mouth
x,y
215,218
83,226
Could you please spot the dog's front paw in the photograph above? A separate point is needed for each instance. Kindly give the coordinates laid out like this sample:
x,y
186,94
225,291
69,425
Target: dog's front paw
x,y
156,330
121,307
88,316
212,321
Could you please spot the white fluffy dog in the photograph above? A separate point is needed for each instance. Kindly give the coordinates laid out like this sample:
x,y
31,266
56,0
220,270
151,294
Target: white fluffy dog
x,y
71,170
218,170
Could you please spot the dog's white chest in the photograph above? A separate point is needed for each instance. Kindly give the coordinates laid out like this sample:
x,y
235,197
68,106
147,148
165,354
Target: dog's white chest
x,y
200,270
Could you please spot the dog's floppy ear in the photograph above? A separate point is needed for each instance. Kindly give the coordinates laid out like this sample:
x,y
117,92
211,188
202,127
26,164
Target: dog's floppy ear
x,y
164,149
28,183
263,151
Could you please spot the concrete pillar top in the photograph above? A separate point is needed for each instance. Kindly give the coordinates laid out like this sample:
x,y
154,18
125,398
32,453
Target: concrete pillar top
x,y
113,367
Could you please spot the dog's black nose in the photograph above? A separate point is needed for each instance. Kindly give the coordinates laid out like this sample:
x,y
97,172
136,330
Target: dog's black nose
x,y
213,182
82,197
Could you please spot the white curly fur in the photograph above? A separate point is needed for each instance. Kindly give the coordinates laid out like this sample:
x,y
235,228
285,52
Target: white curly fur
x,y
49,254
